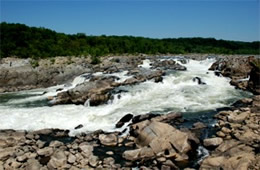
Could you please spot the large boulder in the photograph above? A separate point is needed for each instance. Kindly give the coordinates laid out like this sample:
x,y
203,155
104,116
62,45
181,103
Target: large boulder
x,y
254,81
96,91
156,138
239,68
140,75
233,66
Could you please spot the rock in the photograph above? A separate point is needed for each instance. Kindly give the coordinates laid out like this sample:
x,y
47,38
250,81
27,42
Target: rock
x,y
225,130
158,79
74,168
165,167
47,151
40,144
10,138
123,120
29,136
132,81
5,153
96,92
23,76
226,145
212,142
86,149
170,164
71,158
132,155
237,117
93,161
109,161
198,125
50,97
161,159
110,153
33,164
11,164
240,162
154,137
140,118
108,140
79,126
56,144
1,165
212,162
98,99
149,131
167,118
198,80
58,160
233,66
248,137
44,131
168,65
146,152
31,155
254,81
21,158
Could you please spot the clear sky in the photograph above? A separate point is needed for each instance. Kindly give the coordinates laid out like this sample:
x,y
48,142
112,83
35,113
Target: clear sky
x,y
221,19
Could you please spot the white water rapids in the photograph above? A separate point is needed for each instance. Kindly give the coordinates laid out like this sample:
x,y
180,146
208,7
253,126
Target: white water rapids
x,y
177,92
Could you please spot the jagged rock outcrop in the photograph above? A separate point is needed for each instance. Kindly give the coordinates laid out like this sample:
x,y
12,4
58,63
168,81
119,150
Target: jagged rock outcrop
x,y
239,69
22,74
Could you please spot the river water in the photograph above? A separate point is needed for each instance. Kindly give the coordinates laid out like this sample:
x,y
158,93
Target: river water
x,y
29,110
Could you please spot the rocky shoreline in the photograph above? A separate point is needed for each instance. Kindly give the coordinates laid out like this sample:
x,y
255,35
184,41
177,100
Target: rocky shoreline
x,y
237,142
153,141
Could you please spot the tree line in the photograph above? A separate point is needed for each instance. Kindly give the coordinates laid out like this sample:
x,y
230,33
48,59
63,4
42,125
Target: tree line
x,y
23,41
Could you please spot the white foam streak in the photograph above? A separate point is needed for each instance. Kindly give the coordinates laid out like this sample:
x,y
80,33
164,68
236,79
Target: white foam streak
x,y
146,64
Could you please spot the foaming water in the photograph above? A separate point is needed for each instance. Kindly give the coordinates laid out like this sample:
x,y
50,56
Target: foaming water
x,y
177,92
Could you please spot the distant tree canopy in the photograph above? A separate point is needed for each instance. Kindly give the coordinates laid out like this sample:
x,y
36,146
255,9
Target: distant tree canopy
x,y
30,42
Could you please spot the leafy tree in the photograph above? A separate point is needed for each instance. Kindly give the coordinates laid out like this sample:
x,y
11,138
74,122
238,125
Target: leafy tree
x,y
30,42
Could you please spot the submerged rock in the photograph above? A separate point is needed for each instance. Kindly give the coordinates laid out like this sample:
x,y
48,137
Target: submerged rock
x,y
198,80
123,120
79,126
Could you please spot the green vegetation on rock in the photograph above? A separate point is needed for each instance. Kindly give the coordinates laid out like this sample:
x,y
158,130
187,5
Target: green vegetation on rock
x,y
30,42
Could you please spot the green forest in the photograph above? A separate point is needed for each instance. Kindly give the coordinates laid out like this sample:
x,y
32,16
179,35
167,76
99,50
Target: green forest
x,y
23,41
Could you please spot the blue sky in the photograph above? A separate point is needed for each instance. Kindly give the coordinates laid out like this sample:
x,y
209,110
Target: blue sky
x,y
223,19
